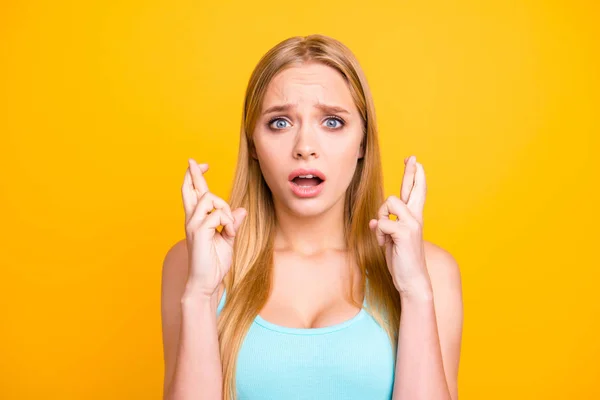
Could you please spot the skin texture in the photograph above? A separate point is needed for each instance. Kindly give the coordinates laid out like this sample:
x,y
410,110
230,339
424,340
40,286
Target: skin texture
x,y
311,274
308,137
428,281
311,269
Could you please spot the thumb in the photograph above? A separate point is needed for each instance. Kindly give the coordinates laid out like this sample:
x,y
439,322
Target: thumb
x,y
379,234
239,214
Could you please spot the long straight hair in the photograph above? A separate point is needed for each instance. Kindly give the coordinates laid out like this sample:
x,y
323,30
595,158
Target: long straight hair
x,y
248,283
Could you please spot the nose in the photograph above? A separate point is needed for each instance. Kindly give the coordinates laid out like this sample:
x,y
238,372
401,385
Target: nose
x,y
306,146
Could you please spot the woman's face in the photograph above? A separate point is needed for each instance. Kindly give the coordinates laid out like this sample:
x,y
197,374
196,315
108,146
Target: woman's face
x,y
308,121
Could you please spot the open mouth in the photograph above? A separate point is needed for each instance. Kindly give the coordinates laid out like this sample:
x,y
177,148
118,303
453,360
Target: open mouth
x,y
307,180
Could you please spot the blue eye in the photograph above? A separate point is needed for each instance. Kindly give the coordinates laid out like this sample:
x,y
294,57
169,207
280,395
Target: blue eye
x,y
335,119
278,125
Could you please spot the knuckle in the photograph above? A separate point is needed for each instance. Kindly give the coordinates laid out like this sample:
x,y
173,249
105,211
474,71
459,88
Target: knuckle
x,y
206,199
212,214
405,232
206,195
189,229
414,226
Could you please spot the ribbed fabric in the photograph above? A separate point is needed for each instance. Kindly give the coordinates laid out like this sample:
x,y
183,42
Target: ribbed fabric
x,y
352,360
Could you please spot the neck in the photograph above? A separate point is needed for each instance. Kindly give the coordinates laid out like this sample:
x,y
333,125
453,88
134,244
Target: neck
x,y
310,235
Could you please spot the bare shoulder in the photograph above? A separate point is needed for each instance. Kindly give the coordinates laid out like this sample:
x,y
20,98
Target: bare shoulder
x,y
443,268
175,271
175,261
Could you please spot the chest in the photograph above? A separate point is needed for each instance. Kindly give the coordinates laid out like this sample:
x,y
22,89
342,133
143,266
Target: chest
x,y
313,293
351,360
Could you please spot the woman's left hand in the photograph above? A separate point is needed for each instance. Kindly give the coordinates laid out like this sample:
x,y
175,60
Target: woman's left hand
x,y
403,237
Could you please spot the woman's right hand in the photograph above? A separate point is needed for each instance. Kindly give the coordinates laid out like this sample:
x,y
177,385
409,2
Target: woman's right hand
x,y
210,252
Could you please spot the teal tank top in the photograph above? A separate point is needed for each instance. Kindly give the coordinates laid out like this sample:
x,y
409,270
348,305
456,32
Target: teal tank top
x,y
352,360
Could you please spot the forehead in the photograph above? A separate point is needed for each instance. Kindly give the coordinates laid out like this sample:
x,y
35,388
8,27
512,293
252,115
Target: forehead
x,y
308,84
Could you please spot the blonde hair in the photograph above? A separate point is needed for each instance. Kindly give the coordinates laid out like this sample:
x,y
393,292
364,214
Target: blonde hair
x,y
248,282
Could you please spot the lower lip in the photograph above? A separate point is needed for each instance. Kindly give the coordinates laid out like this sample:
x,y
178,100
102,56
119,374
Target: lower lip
x,y
306,191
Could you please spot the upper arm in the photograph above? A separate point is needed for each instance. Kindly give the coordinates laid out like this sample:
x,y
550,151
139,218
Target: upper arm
x,y
445,278
174,279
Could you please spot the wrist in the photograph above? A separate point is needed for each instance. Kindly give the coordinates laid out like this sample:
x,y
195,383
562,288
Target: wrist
x,y
196,304
422,292
192,295
417,297
198,288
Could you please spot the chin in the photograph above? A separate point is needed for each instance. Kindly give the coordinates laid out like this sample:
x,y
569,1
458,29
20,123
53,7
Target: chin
x,y
312,207
305,207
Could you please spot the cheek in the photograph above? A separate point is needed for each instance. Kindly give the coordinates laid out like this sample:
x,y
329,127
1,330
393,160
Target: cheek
x,y
270,149
342,163
345,153
270,162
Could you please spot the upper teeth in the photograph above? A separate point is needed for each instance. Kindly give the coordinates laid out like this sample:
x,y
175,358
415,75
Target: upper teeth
x,y
307,176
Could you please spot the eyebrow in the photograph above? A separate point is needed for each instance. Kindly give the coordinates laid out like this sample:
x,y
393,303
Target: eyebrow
x,y
324,107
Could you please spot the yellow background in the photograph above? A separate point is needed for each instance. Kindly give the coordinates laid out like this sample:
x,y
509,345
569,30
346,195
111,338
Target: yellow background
x,y
103,102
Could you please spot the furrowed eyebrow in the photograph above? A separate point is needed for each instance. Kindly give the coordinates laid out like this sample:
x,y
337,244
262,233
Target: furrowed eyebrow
x,y
324,107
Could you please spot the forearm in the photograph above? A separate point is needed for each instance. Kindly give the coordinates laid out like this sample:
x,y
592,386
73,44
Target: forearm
x,y
419,371
198,371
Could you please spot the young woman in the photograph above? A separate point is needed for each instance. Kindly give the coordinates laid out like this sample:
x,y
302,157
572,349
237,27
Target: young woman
x,y
302,286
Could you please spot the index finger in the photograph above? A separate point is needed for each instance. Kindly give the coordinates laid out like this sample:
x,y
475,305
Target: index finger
x,y
198,180
408,179
416,202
